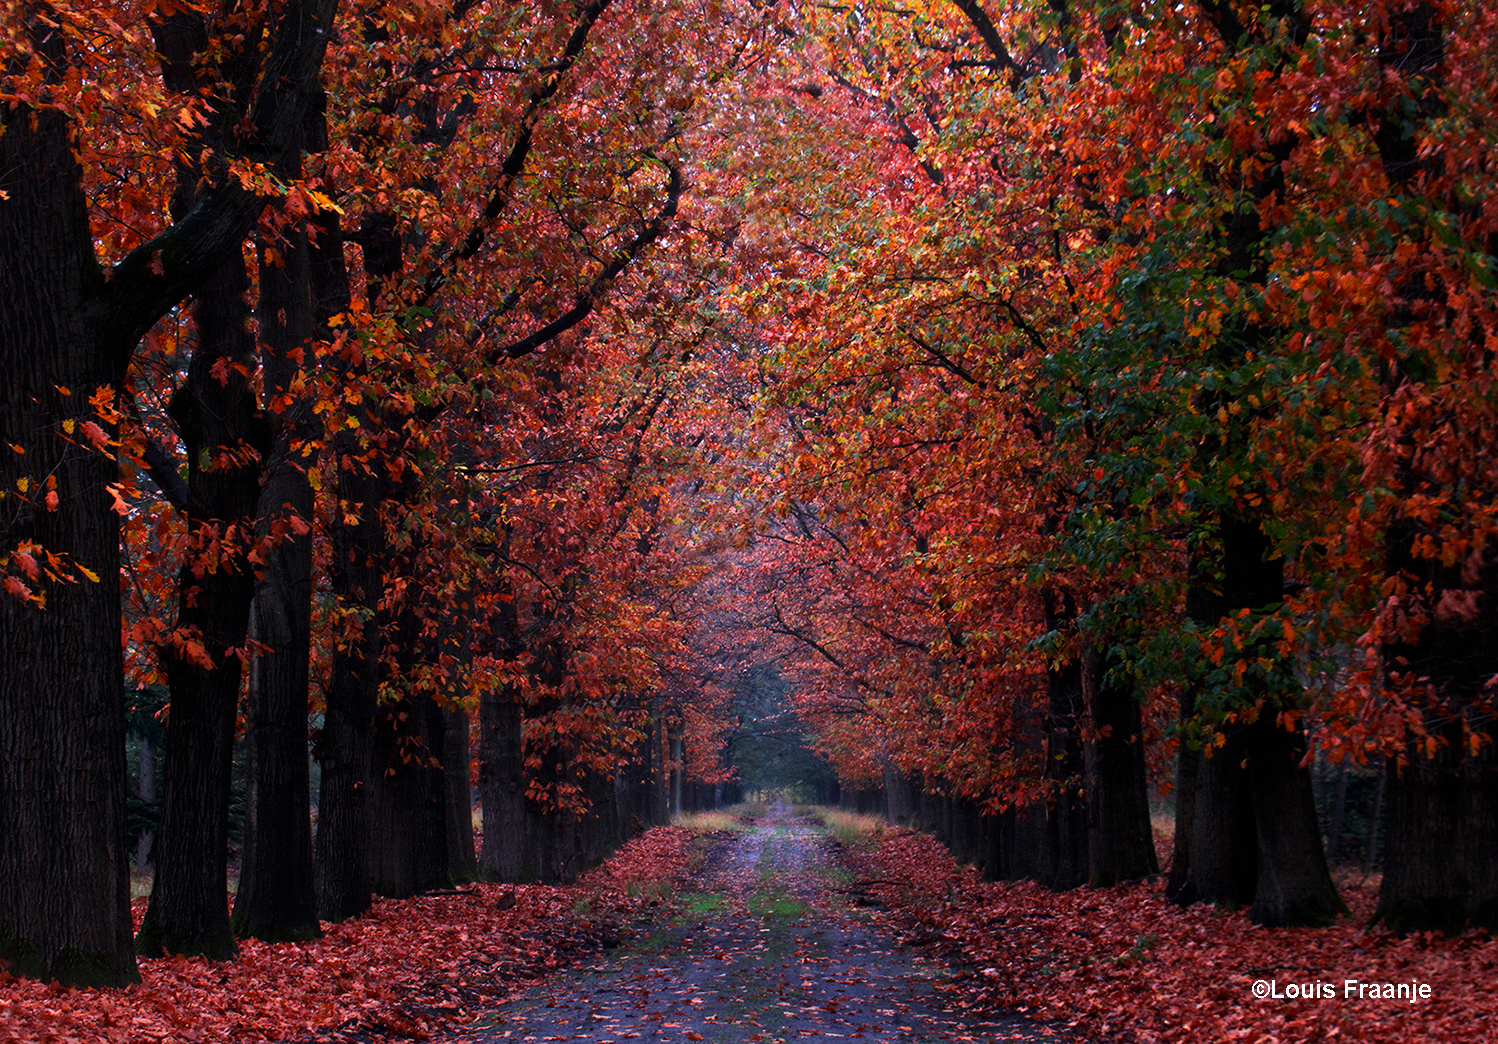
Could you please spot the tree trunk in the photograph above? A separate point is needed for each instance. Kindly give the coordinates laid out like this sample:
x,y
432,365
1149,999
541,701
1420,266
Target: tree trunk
x,y
1294,886
277,897
502,785
1120,841
1223,838
1439,870
1019,840
225,440
1339,814
461,862
276,900
1253,834
408,798
1066,844
64,867
344,748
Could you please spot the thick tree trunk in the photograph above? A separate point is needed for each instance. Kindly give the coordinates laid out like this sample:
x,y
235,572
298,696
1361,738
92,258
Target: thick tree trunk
x,y
224,439
1439,868
1224,847
276,899
1440,873
462,864
344,748
408,799
1294,886
64,868
1120,842
502,786
1019,839
1253,832
1065,853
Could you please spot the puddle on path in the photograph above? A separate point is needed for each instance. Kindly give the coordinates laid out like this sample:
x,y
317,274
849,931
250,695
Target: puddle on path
x,y
768,950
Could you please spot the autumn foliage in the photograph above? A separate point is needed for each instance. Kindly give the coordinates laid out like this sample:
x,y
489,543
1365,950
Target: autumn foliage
x,y
1076,404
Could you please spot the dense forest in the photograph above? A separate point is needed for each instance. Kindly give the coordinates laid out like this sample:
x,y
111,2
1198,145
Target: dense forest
x,y
1004,417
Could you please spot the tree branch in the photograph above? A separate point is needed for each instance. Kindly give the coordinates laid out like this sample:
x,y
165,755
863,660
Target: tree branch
x,y
157,275
588,298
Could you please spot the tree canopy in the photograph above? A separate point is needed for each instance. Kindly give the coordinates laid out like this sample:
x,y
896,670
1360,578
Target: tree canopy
x,y
1048,403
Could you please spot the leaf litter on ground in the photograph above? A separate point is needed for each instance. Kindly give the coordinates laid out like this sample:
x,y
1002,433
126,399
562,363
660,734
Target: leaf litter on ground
x,y
1126,964
404,971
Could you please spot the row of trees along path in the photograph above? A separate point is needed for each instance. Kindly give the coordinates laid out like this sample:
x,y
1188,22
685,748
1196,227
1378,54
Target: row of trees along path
x,y
1044,404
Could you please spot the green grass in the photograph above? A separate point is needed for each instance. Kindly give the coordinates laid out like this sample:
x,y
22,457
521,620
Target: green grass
x,y
701,903
768,902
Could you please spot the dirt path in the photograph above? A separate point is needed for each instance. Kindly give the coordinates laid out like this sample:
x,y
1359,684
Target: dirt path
x,y
768,950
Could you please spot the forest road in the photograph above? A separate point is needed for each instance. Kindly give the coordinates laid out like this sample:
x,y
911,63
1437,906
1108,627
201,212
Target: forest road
x,y
766,947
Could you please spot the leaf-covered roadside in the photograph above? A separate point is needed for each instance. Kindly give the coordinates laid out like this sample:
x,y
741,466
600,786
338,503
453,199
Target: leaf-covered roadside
x,y
408,968
1125,964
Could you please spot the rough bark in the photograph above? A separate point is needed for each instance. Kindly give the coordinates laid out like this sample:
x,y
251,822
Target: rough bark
x,y
64,868
344,747
1294,886
225,438
502,785
1439,870
1224,848
277,897
1066,842
1253,836
1018,843
462,864
407,795
1442,831
1120,841
67,326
